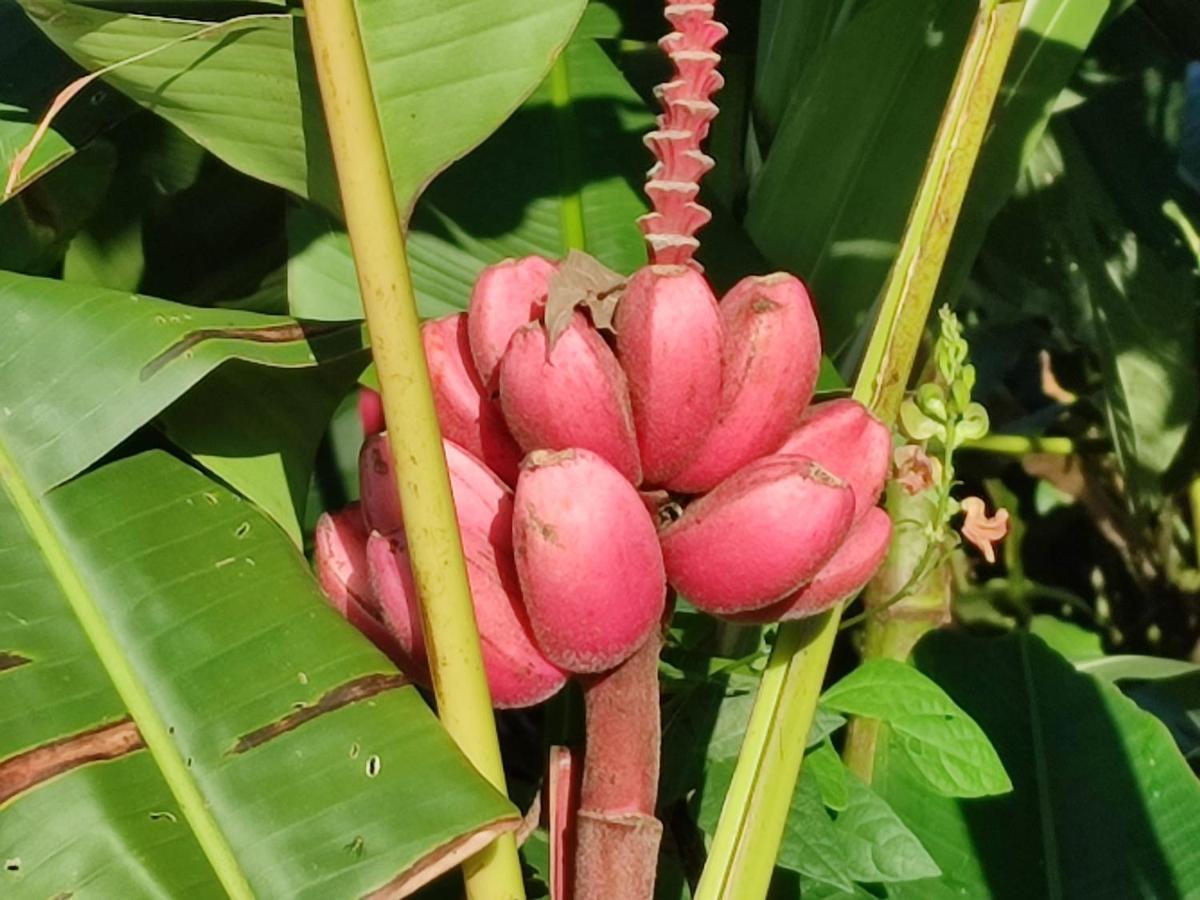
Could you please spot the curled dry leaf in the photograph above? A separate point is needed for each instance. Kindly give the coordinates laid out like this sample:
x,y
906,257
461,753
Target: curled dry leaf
x,y
581,280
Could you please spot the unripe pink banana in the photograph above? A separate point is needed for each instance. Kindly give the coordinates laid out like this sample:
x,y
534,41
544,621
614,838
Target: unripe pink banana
x,y
846,439
846,573
771,357
757,536
575,395
669,344
478,493
588,558
518,674
340,557
505,297
465,413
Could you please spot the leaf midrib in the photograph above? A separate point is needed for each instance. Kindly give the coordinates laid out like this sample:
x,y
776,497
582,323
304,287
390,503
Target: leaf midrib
x,y
104,643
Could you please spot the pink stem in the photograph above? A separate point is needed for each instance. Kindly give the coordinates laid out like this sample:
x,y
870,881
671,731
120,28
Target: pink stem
x,y
563,791
617,834
673,182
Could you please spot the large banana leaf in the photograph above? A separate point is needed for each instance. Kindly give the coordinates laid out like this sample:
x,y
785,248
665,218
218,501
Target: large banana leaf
x,y
854,91
444,77
82,368
1104,805
834,193
182,716
578,136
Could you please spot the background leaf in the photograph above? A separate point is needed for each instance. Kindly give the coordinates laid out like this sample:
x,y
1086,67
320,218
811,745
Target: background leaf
x,y
443,78
31,73
839,178
949,750
83,368
289,725
258,430
508,198
1103,804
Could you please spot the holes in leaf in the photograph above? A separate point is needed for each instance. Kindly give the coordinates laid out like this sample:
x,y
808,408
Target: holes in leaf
x,y
373,765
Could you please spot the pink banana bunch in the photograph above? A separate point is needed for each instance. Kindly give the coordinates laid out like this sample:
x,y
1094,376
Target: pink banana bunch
x,y
557,447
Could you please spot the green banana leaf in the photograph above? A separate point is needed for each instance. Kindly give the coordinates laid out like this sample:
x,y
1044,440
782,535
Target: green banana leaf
x,y
444,78
82,368
566,160
849,97
182,716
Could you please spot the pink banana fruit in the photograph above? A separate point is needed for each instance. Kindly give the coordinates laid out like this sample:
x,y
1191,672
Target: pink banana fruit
x,y
588,559
465,413
477,491
669,344
340,557
846,573
392,585
518,674
771,356
758,536
575,395
506,296
370,411
845,438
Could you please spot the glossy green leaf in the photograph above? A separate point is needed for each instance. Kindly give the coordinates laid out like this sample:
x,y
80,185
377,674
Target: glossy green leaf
x,y
570,160
1103,804
1066,638
949,750
82,368
443,77
830,774
838,182
811,844
182,715
879,846
37,225
258,429
1141,668
789,36
1175,702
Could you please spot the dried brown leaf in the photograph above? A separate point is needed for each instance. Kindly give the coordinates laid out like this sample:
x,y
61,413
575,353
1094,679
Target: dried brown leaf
x,y
581,280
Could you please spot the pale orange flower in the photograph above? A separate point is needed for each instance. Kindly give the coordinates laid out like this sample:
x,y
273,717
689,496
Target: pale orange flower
x,y
982,530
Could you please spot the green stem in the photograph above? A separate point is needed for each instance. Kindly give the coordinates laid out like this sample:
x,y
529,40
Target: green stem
x,y
439,570
1020,445
747,837
909,597
1194,502
571,208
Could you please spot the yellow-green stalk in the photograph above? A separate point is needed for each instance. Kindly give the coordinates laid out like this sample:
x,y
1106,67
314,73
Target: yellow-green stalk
x,y
746,841
377,238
